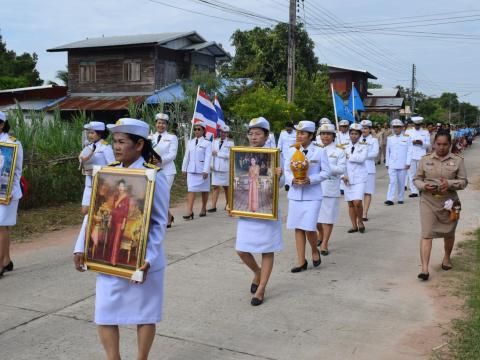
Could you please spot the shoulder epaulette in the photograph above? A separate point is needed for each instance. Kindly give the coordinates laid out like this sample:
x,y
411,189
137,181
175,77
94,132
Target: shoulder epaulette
x,y
404,134
104,142
320,145
390,135
340,146
151,166
12,138
115,163
362,143
458,155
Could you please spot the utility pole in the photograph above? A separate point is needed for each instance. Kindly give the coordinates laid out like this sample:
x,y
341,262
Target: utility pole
x,y
412,95
292,29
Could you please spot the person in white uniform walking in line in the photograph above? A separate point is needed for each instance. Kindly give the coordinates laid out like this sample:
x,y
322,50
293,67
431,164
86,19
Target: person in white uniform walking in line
x,y
329,210
166,146
342,138
305,195
421,143
220,165
323,121
120,301
8,213
398,157
196,165
97,152
259,236
373,150
355,177
286,139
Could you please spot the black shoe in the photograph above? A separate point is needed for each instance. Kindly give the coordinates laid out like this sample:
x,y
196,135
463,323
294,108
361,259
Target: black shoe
x,y
171,222
256,301
212,210
388,203
188,217
446,267
423,277
413,195
1,272
352,231
319,242
300,268
361,229
364,219
203,214
253,288
316,263
324,252
342,192
9,267
287,187
400,203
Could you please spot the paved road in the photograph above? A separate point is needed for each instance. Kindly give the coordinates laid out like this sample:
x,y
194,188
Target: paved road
x,y
364,302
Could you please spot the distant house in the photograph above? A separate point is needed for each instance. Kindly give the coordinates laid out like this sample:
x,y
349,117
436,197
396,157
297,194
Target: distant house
x,y
384,101
342,79
106,73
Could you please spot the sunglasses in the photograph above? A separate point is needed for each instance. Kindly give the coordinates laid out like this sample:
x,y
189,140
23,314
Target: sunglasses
x,y
197,129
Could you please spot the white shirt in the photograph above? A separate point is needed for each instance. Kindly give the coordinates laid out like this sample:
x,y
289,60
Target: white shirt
x,y
398,152
337,162
198,156
285,140
423,135
373,149
271,141
356,169
221,162
342,138
167,148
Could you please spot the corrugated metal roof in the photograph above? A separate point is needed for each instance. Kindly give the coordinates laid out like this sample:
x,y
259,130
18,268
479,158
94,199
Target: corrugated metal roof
x,y
30,88
107,41
98,102
333,68
169,94
34,105
387,92
383,102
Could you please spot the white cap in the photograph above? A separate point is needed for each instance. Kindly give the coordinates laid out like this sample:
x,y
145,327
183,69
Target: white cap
x,y
325,121
396,122
326,128
259,122
225,128
201,123
417,119
130,126
3,116
344,123
95,125
305,125
355,126
161,116
366,123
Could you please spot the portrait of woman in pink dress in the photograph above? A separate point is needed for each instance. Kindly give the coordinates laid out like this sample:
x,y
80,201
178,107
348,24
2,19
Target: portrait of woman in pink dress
x,y
118,219
253,175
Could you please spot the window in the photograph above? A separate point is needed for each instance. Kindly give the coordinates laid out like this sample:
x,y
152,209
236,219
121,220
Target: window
x,y
131,70
88,72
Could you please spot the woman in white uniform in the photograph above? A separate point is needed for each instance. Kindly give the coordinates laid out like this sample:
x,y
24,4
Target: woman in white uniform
x,y
220,165
373,150
331,187
355,177
8,213
305,195
196,165
97,152
120,301
323,121
259,236
166,146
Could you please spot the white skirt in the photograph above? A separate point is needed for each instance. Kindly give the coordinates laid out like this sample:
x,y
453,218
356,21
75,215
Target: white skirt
x,y
119,302
258,235
354,191
329,210
220,178
303,214
8,213
370,185
196,183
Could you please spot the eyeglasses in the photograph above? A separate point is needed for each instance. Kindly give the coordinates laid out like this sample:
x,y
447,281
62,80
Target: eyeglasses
x,y
197,129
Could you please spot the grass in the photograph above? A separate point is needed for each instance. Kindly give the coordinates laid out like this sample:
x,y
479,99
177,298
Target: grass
x,y
464,337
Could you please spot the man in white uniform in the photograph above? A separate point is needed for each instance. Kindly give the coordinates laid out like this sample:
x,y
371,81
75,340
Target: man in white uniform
x,y
287,138
398,158
421,142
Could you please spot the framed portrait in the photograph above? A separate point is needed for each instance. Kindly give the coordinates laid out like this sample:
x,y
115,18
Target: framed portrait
x,y
118,220
8,161
253,190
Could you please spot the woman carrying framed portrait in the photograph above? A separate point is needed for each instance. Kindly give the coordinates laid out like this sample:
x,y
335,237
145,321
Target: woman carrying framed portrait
x,y
8,211
118,300
259,236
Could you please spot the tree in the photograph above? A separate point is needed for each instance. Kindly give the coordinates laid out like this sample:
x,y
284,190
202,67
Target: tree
x,y
372,85
17,70
312,95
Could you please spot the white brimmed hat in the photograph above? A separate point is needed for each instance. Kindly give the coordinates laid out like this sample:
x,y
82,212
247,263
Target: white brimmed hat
x,y
130,126
305,125
396,122
326,128
3,116
417,119
259,122
95,125
324,121
225,128
201,123
366,123
161,116
355,126
344,123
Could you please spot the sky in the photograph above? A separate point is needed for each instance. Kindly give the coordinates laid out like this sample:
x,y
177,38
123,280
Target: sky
x,y
442,64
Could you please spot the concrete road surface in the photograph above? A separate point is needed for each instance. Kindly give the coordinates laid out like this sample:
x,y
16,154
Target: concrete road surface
x,y
363,302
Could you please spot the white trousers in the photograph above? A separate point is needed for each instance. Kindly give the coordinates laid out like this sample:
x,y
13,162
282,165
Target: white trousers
x,y
397,180
411,175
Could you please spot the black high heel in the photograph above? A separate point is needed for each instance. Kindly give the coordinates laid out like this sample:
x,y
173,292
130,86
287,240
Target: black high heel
x,y
253,288
171,222
256,301
9,267
300,268
203,214
423,276
188,217
316,263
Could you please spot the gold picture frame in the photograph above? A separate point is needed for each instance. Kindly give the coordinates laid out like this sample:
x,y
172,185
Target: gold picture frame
x,y
253,190
118,220
8,162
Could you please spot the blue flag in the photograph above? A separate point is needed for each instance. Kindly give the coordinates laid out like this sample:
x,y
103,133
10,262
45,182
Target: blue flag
x,y
358,101
343,112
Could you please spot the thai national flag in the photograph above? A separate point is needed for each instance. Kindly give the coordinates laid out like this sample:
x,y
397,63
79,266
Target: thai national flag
x,y
205,111
218,109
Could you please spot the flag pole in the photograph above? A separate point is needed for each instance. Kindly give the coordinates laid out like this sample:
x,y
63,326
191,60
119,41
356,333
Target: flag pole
x,y
194,111
334,106
353,102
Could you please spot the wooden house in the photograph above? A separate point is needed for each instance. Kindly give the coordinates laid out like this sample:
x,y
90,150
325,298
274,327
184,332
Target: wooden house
x,y
342,79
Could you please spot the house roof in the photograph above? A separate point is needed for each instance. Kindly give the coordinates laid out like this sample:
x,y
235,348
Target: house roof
x,y
393,103
95,102
384,92
30,88
334,69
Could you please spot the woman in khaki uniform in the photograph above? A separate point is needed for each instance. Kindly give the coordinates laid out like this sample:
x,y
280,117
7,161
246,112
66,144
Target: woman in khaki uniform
x,y
438,176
